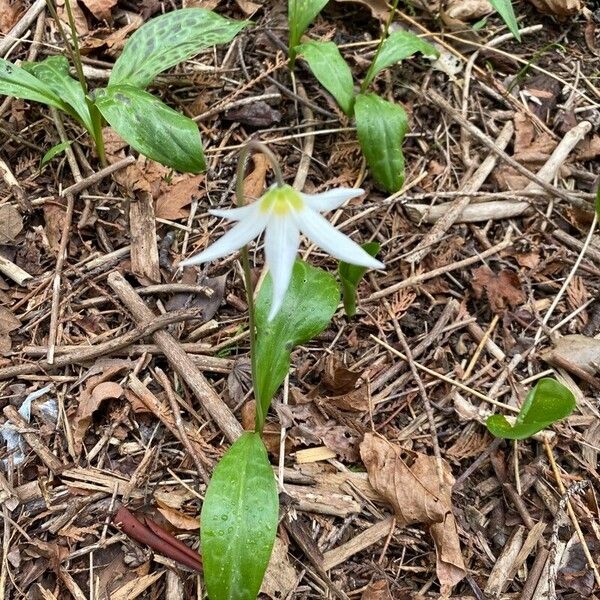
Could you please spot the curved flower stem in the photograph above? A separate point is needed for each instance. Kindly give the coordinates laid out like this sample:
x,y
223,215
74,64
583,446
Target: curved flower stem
x,y
241,201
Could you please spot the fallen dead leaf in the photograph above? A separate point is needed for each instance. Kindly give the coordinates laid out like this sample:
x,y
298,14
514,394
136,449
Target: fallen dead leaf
x,y
9,14
337,378
377,590
179,519
100,8
578,349
410,483
558,8
248,8
171,204
8,323
254,182
355,400
468,10
54,216
280,578
502,289
11,222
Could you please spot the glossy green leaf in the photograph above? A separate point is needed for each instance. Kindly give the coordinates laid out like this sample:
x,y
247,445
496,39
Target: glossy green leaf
x,y
398,46
301,14
381,127
54,72
549,401
350,276
506,11
597,202
152,128
309,305
17,82
332,71
165,41
239,521
54,151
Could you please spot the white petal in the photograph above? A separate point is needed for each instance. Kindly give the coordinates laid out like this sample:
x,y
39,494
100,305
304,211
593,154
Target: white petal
x,y
235,238
331,199
282,239
234,214
334,242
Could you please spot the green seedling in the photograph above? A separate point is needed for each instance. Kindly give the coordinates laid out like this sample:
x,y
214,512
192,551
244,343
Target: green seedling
x,y
146,123
548,402
53,153
506,11
350,276
301,13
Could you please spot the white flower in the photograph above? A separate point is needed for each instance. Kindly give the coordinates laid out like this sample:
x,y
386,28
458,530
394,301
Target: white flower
x,y
283,213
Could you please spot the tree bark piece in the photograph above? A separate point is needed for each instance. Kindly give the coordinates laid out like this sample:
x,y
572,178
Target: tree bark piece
x,y
178,359
144,247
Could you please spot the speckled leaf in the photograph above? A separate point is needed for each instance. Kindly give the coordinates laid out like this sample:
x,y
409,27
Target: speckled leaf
x,y
310,303
17,82
332,71
398,46
54,72
300,15
239,521
168,40
152,128
381,127
506,11
549,401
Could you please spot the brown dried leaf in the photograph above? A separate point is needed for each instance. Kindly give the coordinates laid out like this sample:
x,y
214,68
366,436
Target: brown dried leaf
x,y
337,378
558,8
11,222
170,204
502,289
280,578
179,519
54,216
377,590
9,14
417,496
100,8
467,10
248,8
356,400
8,321
579,350
257,114
254,182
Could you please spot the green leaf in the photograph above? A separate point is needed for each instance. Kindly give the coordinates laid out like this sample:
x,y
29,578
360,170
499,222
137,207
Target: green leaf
x,y
597,202
549,401
54,151
506,11
332,71
54,72
301,14
309,305
152,128
165,41
398,46
17,82
381,127
350,276
239,521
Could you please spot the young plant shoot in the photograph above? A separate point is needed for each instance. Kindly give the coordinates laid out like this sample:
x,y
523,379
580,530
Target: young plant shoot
x,y
295,303
146,123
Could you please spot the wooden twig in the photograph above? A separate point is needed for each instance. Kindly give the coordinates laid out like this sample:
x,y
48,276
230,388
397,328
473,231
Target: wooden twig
x,y
178,359
94,178
14,272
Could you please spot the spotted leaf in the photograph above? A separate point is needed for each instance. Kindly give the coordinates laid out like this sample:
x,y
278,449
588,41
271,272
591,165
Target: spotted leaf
x,y
168,40
152,128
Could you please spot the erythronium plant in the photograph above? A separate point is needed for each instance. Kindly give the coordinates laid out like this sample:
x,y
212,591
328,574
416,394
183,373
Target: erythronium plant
x,y
146,123
295,303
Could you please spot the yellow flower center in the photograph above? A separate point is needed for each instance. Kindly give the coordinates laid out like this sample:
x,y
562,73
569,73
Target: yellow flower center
x,y
281,201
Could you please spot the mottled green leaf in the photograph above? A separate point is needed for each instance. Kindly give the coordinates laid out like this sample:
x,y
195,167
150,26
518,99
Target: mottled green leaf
x,y
310,303
54,72
152,128
54,151
350,276
548,402
165,41
381,127
398,46
239,521
332,71
17,82
301,14
506,11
